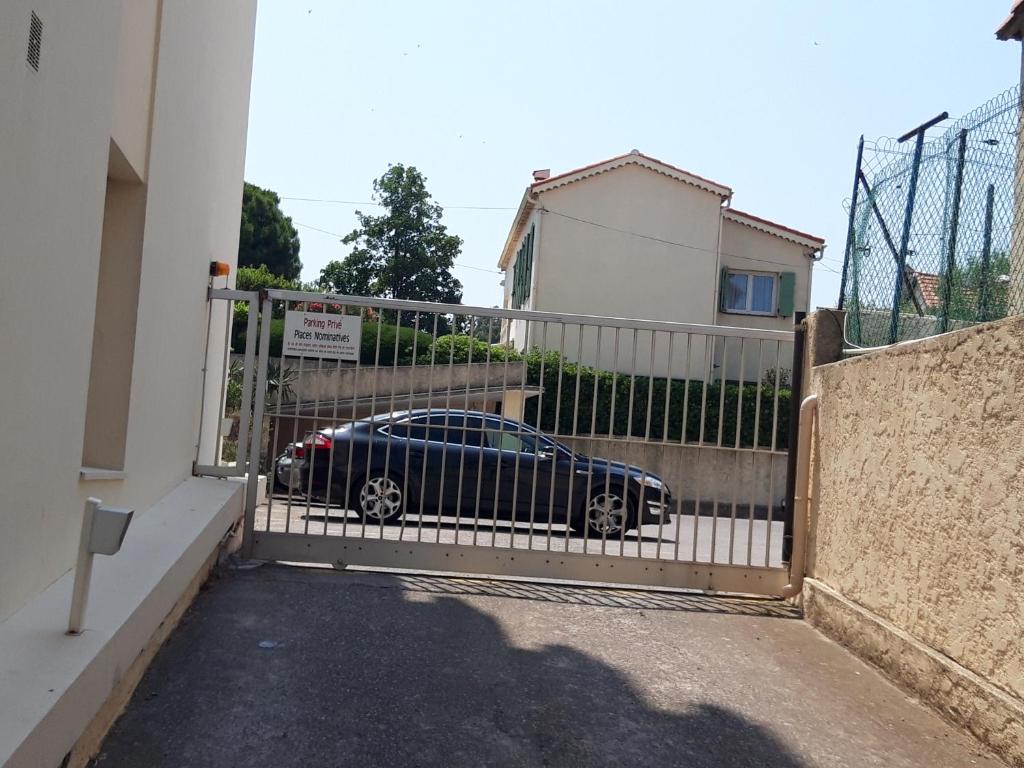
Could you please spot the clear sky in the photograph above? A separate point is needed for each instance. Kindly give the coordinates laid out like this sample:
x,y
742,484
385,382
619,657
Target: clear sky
x,y
768,98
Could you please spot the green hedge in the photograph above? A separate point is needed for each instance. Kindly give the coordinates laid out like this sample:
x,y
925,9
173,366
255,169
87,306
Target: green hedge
x,y
456,349
596,389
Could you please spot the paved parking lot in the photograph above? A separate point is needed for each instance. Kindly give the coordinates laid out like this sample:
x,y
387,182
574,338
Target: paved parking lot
x,y
282,666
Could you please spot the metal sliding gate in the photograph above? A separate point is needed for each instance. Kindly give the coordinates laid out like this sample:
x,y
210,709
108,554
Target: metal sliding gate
x,y
490,441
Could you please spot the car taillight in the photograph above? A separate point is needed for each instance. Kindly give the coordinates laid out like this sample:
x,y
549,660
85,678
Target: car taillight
x,y
318,441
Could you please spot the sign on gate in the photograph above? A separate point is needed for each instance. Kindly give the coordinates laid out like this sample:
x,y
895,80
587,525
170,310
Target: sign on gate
x,y
315,334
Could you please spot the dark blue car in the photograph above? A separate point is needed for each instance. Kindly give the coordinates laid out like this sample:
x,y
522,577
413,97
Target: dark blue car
x,y
470,464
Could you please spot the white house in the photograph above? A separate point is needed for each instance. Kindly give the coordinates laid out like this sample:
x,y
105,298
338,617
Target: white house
x,y
634,237
122,148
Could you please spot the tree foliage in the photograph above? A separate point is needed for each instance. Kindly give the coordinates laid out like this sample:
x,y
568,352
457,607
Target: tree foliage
x,y
405,253
266,236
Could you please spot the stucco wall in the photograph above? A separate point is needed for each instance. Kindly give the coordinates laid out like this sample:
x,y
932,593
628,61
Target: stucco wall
x,y
54,143
920,511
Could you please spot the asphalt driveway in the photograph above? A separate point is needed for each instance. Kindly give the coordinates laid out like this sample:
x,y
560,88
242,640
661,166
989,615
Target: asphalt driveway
x,y
287,666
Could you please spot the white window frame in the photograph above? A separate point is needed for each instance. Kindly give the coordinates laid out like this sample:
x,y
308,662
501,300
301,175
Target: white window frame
x,y
750,273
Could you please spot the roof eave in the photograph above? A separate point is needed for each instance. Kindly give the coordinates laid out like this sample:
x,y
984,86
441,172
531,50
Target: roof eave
x,y
811,243
1012,27
522,214
638,159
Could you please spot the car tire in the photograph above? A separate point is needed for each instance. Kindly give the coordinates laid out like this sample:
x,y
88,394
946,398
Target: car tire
x,y
378,497
605,512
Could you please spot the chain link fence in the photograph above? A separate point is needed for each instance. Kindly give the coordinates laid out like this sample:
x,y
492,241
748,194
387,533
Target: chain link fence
x,y
931,244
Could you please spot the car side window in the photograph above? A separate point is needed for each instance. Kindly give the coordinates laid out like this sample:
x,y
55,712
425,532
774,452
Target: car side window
x,y
454,430
413,429
505,437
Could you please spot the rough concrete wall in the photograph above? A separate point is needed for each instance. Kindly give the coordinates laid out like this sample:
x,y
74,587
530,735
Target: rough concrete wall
x,y
920,510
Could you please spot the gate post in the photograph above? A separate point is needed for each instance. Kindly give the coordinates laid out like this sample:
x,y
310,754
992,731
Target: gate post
x,y
256,430
796,394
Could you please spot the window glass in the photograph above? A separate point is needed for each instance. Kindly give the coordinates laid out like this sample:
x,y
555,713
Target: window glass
x,y
413,430
451,429
507,438
736,292
762,294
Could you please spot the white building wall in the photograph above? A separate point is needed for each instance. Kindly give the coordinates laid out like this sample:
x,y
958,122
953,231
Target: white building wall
x,y
597,270
55,139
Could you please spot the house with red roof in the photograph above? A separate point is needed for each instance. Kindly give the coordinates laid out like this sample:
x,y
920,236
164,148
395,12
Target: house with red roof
x,y
635,237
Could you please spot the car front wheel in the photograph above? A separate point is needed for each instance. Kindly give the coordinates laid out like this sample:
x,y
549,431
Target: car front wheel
x,y
380,499
608,513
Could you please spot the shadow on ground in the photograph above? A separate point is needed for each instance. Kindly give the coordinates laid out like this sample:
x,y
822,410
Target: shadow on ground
x,y
289,672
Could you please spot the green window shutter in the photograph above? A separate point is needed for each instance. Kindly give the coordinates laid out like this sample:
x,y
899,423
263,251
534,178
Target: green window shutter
x,y
723,286
787,289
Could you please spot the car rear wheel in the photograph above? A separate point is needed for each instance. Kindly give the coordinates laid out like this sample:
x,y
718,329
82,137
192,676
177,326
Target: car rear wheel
x,y
608,512
380,498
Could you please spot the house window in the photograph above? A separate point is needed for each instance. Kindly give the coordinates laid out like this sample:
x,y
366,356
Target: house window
x,y
522,272
757,293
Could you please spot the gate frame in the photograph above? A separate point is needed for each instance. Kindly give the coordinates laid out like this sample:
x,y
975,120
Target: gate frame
x,y
342,551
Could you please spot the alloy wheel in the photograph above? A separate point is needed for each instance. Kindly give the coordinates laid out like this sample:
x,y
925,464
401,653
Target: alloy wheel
x,y
606,513
380,498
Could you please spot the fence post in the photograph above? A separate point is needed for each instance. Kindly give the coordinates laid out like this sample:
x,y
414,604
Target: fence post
x,y
908,216
954,227
851,227
986,254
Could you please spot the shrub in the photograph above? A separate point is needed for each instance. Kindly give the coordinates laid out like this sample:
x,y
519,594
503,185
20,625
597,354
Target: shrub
x,y
455,348
617,404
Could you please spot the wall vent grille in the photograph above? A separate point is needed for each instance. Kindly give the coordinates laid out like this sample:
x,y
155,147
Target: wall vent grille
x,y
35,41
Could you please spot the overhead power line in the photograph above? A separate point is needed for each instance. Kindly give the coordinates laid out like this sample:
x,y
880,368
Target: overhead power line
x,y
335,234
380,205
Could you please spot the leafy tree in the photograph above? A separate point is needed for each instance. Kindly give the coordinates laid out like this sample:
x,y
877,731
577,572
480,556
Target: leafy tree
x,y
258,278
406,253
267,236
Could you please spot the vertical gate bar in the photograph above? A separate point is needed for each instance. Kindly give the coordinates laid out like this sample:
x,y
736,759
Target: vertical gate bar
x,y
908,216
554,430
682,439
501,459
296,417
850,230
593,425
536,458
954,227
426,433
256,436
799,334
706,371
445,432
245,418
775,396
575,429
754,449
312,450
629,427
736,449
225,374
719,432
391,421
519,443
664,512
465,427
374,379
333,450
771,511
483,434
412,387
611,435
354,395
986,255
642,505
